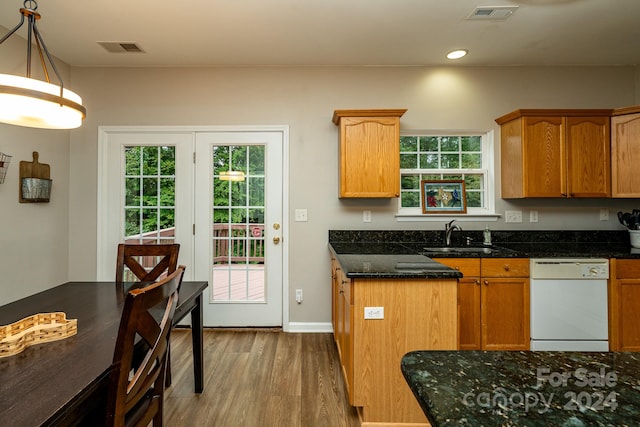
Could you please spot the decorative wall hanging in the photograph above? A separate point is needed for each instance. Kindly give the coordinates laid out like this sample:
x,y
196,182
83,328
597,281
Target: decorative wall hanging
x,y
35,185
443,196
5,159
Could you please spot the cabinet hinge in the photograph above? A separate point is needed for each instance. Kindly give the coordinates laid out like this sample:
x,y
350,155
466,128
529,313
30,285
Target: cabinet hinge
x,y
194,157
194,229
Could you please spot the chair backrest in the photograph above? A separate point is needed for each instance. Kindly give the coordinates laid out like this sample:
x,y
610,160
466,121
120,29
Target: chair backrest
x,y
131,256
136,384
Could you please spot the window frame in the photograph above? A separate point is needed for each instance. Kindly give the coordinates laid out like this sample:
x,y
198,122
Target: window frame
x,y
488,171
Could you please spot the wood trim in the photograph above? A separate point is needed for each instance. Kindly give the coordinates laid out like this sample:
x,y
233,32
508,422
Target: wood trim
x,y
338,114
626,110
613,306
552,112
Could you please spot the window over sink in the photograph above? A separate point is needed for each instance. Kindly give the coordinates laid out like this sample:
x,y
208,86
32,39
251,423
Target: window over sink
x,y
440,155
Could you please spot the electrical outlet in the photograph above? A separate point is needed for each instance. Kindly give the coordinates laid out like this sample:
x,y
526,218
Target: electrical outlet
x,y
604,214
366,216
374,312
301,215
299,296
513,216
533,216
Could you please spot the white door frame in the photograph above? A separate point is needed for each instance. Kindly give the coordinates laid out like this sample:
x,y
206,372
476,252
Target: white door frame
x,y
105,269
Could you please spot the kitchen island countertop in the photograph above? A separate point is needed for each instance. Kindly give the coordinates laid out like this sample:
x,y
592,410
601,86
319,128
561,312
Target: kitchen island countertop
x,y
519,388
390,261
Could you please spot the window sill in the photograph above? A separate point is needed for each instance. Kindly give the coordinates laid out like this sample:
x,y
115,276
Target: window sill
x,y
473,217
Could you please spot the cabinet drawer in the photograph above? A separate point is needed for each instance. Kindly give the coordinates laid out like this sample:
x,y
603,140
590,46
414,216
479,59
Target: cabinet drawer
x,y
505,267
627,269
469,267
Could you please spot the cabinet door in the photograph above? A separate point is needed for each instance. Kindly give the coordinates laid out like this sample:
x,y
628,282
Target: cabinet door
x,y
629,314
505,313
469,326
468,301
588,157
625,155
544,157
370,157
335,299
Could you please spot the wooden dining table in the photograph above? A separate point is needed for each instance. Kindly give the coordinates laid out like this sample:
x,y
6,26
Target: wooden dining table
x,y
63,382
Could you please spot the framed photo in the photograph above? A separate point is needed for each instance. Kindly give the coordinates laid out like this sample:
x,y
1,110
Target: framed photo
x,y
443,196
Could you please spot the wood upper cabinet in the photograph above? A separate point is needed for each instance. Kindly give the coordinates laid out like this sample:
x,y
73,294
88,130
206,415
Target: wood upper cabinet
x,y
369,153
555,153
625,152
493,302
624,300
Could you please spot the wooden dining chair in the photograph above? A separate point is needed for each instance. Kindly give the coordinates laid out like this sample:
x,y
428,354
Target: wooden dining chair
x,y
141,261
136,384
148,263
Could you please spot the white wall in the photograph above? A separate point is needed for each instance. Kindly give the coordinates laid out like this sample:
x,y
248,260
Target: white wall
x,y
34,237
304,98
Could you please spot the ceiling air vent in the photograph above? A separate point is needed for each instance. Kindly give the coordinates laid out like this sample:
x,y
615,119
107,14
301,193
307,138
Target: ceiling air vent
x,y
121,47
489,13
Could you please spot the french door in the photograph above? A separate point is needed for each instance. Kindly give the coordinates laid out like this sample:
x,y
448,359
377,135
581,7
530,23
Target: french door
x,y
219,194
238,222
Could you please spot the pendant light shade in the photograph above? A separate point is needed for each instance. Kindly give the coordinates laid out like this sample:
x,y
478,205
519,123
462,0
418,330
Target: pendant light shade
x,y
34,103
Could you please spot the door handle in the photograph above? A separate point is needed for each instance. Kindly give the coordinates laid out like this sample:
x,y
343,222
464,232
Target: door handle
x,y
276,240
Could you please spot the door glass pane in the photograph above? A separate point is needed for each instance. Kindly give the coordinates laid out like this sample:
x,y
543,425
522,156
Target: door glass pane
x,y
149,198
238,223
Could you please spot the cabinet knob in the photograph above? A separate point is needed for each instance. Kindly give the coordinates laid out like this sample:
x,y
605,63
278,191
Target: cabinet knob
x,y
507,268
477,281
486,282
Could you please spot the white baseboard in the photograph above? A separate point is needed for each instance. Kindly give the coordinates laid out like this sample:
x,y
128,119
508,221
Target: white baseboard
x,y
310,327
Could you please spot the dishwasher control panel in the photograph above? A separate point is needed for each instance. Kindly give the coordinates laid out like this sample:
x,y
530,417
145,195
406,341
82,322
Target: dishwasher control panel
x,y
566,268
595,271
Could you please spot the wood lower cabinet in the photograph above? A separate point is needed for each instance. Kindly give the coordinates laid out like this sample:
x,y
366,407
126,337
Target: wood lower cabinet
x,y
494,303
419,314
625,155
555,153
342,320
469,301
369,153
624,300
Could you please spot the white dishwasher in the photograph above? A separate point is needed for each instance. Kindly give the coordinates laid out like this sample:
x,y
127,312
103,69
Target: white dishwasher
x,y
569,304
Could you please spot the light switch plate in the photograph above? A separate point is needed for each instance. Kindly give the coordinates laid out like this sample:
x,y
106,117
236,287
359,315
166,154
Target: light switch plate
x,y
533,216
301,215
366,216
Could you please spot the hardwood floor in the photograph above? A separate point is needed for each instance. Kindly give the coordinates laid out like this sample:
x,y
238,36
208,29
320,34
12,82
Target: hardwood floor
x,y
258,378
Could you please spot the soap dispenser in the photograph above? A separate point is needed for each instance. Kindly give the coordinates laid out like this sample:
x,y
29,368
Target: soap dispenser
x,y
486,236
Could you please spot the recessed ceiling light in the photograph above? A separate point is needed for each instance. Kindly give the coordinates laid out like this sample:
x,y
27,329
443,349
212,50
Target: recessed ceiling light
x,y
457,54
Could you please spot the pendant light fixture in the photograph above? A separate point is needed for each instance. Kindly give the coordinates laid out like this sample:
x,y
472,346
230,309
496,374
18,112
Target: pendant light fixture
x,y
34,103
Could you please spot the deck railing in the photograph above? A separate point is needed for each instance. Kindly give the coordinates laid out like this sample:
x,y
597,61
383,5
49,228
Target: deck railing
x,y
238,243
232,243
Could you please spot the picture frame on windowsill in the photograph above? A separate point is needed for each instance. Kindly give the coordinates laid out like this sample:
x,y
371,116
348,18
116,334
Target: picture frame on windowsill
x,y
443,196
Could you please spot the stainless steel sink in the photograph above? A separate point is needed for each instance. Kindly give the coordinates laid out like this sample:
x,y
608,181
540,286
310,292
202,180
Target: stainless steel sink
x,y
459,250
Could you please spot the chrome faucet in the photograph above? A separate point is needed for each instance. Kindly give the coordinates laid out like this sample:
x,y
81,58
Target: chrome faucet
x,y
448,230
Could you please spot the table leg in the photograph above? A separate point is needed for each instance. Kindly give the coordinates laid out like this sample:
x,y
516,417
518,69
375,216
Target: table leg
x,y
196,338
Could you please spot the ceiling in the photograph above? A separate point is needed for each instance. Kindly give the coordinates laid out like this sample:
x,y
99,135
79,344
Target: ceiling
x,y
336,32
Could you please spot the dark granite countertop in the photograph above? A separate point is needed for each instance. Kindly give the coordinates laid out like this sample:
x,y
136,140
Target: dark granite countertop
x,y
390,261
506,244
513,388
